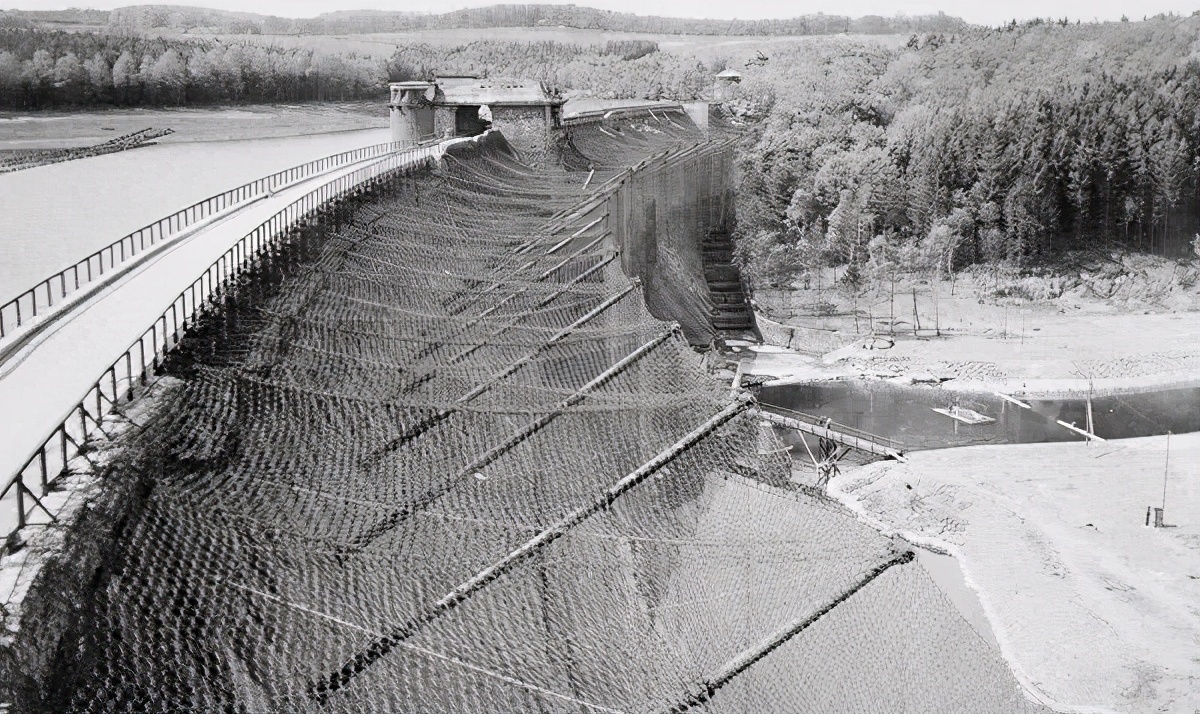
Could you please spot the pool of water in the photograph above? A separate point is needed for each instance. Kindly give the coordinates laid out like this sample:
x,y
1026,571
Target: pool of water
x,y
905,413
52,216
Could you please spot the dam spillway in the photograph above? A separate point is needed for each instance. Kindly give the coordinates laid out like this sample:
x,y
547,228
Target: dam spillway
x,y
440,453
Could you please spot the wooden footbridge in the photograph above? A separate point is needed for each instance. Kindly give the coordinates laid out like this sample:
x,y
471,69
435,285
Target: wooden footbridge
x,y
836,440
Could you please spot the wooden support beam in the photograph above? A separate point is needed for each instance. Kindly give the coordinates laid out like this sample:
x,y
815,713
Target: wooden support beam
x,y
749,657
1079,431
585,249
1012,400
425,424
737,379
390,521
542,303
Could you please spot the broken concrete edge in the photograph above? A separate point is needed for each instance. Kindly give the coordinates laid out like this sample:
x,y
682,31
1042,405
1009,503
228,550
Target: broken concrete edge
x,y
61,558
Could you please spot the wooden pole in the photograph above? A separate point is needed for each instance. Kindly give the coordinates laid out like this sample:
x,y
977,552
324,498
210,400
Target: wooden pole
x,y
937,322
1014,400
892,306
747,658
1079,431
737,379
1091,426
916,317
1166,470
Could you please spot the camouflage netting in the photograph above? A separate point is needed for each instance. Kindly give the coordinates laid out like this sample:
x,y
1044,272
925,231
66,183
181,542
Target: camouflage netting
x,y
424,462
661,213
622,140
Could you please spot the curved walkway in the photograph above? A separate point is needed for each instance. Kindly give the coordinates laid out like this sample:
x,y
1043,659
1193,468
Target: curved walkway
x,y
41,383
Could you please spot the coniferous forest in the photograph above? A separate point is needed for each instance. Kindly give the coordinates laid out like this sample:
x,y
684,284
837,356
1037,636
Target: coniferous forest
x,y
1012,144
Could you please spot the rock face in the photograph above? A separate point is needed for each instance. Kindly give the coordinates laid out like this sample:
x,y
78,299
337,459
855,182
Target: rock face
x,y
527,129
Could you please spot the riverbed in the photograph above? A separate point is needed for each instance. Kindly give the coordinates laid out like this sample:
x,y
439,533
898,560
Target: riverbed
x,y
1091,608
55,129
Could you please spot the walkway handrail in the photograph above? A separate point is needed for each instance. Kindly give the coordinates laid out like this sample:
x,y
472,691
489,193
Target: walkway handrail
x,y
138,363
68,280
594,115
835,426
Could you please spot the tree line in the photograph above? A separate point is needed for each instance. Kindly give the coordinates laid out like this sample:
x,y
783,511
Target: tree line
x,y
616,70
593,19
50,68
180,18
1004,145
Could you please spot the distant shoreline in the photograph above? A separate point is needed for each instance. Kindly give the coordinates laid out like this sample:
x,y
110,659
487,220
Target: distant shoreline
x,y
58,129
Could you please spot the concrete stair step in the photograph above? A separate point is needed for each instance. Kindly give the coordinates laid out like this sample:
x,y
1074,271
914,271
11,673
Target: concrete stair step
x,y
722,272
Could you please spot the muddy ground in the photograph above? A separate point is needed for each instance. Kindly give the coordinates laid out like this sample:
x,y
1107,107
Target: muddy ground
x,y
1113,316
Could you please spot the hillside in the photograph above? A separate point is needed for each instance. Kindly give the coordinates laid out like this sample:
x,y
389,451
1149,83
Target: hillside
x,y
184,18
73,17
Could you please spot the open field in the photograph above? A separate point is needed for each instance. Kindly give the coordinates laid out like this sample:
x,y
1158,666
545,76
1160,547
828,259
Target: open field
x,y
1091,608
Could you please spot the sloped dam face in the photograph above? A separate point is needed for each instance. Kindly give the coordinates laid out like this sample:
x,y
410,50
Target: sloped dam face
x,y
429,457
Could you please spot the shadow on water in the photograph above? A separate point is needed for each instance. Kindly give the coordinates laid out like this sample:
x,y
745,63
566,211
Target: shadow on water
x,y
905,413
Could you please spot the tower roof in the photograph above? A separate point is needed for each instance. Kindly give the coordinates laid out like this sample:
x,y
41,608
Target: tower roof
x,y
493,91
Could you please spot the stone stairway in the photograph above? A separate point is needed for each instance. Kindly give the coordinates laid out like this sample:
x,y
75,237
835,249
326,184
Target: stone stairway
x,y
731,309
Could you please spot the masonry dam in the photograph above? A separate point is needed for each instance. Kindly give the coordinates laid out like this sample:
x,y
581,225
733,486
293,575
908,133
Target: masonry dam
x,y
444,440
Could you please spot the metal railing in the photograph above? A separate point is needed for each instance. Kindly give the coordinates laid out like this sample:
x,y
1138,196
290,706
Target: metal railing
x,y
596,115
56,288
118,383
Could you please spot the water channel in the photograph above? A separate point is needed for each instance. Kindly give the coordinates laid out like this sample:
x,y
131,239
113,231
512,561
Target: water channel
x,y
905,413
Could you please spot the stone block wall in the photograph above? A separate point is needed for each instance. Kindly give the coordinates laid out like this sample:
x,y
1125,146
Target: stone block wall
x,y
527,129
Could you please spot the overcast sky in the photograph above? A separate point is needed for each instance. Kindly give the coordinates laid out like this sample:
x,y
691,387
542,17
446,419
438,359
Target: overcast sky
x,y
988,12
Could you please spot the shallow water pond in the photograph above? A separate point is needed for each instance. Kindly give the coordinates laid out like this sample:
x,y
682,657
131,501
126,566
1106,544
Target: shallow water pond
x,y
906,413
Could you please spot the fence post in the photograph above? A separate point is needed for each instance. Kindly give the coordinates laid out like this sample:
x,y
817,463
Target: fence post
x,y
20,502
